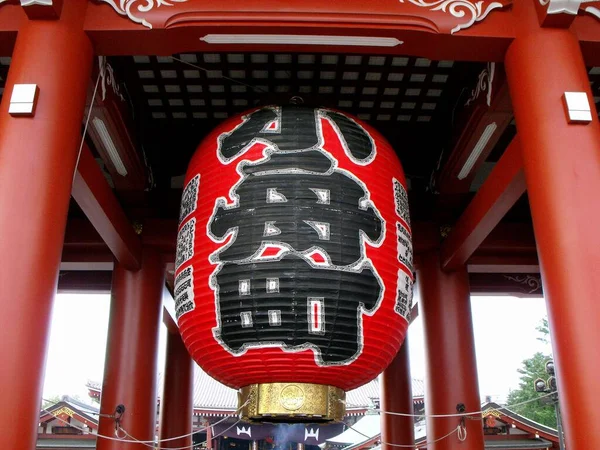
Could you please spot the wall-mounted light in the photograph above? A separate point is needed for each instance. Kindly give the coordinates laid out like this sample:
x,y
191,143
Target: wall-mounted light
x,y
23,100
301,39
476,152
109,146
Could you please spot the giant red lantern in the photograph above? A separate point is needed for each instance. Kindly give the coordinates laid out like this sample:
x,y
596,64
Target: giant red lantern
x,y
294,259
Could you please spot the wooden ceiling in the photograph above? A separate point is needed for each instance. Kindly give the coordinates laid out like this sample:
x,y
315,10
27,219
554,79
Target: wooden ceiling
x,y
177,100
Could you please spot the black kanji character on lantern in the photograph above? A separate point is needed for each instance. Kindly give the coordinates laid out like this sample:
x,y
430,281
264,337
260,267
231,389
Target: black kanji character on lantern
x,y
292,128
297,199
290,303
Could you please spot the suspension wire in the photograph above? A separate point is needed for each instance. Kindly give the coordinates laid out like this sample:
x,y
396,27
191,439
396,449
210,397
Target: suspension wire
x,y
184,447
133,440
87,121
192,433
196,66
459,429
464,414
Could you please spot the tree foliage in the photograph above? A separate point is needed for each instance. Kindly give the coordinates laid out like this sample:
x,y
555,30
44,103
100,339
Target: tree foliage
x,y
532,369
544,329
47,403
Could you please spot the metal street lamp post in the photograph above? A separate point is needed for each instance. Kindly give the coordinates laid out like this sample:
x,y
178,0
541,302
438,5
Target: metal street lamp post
x,y
550,387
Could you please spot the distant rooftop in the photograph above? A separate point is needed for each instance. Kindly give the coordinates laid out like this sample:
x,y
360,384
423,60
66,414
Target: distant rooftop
x,y
210,394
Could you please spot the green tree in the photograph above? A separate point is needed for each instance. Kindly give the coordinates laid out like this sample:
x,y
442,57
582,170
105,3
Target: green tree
x,y
47,403
544,329
532,369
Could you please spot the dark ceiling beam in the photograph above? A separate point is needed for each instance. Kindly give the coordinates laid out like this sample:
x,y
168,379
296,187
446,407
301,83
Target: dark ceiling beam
x,y
504,263
84,281
509,248
485,115
98,202
524,285
508,243
504,186
100,281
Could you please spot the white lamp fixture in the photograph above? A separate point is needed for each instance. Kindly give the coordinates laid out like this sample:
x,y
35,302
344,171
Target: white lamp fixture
x,y
476,153
301,39
109,146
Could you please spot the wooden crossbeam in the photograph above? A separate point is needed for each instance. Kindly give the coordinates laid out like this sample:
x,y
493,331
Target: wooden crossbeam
x,y
97,200
169,318
499,193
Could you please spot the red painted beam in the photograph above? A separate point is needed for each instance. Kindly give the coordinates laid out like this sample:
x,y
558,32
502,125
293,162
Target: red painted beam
x,y
508,244
486,113
504,186
424,31
97,200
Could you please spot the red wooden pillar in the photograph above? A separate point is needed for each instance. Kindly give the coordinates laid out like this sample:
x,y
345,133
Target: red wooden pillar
x,y
177,401
396,389
209,440
451,365
37,162
131,351
562,171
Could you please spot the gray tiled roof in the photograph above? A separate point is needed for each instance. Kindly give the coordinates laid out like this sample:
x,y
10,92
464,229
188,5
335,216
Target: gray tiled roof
x,y
519,444
65,443
210,394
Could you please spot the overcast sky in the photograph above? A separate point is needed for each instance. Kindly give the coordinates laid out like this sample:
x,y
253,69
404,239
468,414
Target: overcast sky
x,y
505,335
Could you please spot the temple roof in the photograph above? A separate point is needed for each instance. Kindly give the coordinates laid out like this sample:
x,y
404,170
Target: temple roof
x,y
73,407
61,444
209,394
540,436
519,443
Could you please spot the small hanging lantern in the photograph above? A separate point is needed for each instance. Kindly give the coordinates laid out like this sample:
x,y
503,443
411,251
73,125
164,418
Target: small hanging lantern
x,y
294,259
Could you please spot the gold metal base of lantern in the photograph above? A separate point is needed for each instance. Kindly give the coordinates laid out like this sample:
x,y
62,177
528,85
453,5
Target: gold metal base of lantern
x,y
297,402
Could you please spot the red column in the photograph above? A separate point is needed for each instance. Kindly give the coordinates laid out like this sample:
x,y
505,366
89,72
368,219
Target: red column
x,y
562,171
131,351
37,162
209,440
445,308
396,389
177,402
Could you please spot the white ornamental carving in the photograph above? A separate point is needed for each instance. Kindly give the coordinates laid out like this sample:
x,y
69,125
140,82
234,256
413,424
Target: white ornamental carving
x,y
472,11
36,2
593,11
107,77
532,282
125,7
564,6
484,83
32,2
571,7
